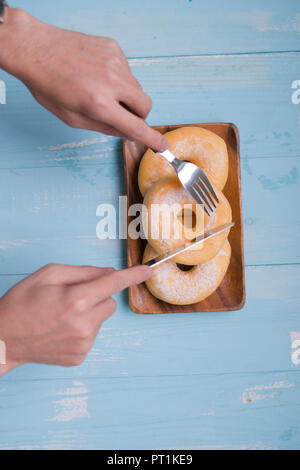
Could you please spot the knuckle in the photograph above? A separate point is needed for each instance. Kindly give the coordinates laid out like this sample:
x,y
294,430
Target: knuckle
x,y
50,270
50,267
112,44
100,103
83,346
148,103
109,307
81,342
76,360
77,305
112,305
114,61
85,332
79,331
88,100
111,73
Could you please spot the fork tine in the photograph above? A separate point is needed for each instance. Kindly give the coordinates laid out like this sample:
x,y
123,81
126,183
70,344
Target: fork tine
x,y
211,189
201,195
197,197
199,190
203,187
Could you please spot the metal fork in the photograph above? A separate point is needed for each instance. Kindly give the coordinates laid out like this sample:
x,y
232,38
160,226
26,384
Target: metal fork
x,y
194,181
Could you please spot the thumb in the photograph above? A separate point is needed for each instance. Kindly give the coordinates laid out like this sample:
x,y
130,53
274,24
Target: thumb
x,y
136,274
120,280
97,290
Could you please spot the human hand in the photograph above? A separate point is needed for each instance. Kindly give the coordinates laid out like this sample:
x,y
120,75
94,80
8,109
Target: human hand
x,y
54,315
84,80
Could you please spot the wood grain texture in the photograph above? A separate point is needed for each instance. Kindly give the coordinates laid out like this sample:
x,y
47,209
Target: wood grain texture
x,y
247,89
230,295
180,27
199,400
253,341
236,411
35,200
221,380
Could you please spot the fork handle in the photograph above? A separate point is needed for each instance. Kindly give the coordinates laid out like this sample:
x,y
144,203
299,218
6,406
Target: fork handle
x,y
167,155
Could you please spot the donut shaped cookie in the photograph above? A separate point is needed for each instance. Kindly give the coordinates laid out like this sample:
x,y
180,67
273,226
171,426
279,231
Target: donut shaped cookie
x,y
170,284
194,144
169,191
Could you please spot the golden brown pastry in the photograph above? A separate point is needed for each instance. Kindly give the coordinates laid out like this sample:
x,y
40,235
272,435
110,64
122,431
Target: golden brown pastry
x,y
194,144
167,192
170,284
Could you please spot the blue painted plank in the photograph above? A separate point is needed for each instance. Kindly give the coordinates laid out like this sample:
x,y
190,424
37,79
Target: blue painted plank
x,y
86,168
49,214
239,411
202,376
244,89
254,340
180,27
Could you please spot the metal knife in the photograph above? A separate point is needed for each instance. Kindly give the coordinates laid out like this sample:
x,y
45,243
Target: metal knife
x,y
196,241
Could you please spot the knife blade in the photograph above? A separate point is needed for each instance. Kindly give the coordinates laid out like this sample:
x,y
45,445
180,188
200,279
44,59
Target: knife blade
x,y
196,241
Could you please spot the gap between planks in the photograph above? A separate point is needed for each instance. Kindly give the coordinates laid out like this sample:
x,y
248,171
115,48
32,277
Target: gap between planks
x,y
213,55
246,266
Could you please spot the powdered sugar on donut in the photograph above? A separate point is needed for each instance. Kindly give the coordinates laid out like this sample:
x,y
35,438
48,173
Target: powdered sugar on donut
x,y
178,287
200,146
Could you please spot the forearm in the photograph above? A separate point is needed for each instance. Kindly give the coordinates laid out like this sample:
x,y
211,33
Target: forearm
x,y
11,42
22,41
84,80
17,43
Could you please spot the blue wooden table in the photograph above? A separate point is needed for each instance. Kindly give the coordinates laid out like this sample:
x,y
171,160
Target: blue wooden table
x,y
212,380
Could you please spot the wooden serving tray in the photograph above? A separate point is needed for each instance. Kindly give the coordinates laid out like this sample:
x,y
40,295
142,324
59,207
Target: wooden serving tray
x,y
231,293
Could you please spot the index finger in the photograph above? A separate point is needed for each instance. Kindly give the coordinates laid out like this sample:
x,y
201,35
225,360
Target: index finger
x,y
136,128
97,290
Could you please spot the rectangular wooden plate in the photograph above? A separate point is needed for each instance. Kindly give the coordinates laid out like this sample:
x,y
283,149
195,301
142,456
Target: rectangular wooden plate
x,y
231,293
